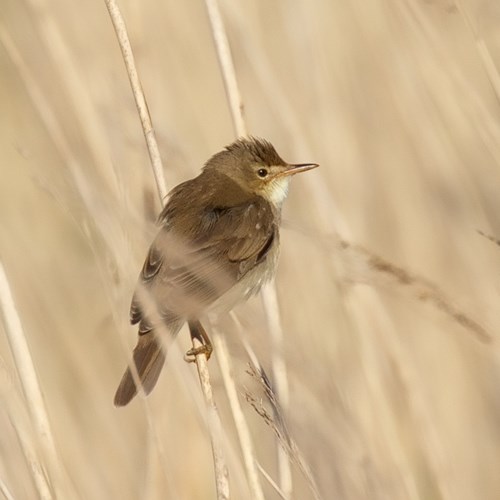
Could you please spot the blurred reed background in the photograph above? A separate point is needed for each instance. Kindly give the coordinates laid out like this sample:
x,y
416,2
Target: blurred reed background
x,y
392,394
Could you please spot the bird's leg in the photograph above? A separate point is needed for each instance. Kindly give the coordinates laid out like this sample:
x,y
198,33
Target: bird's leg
x,y
198,332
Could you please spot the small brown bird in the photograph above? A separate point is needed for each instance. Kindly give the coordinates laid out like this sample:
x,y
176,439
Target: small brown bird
x,y
218,244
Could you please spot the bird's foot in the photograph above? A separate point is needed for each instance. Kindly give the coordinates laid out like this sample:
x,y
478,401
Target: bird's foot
x,y
190,356
198,332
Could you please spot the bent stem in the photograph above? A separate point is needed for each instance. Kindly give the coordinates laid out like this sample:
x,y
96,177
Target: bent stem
x,y
214,426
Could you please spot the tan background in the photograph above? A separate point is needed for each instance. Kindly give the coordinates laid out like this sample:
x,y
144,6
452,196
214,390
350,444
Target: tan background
x,y
398,101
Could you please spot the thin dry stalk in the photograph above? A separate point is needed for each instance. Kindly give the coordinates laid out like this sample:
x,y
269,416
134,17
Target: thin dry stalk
x,y
284,469
269,295
280,379
256,367
36,468
214,424
4,490
15,409
420,412
68,72
271,481
239,419
276,422
140,99
489,237
482,49
425,291
227,67
31,388
486,124
56,131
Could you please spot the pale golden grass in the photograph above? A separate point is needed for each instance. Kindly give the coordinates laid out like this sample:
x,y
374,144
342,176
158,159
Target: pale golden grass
x,y
398,102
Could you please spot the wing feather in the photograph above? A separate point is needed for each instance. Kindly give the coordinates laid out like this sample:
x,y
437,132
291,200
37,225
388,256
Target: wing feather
x,y
188,269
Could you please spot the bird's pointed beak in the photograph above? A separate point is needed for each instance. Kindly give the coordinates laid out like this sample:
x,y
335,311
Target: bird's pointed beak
x,y
296,168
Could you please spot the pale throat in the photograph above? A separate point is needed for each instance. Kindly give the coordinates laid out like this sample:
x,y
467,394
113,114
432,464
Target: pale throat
x,y
277,190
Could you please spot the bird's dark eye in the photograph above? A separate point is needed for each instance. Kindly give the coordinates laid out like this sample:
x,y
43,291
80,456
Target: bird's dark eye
x,y
262,172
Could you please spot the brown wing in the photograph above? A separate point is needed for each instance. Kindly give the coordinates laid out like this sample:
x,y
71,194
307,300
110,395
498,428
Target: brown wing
x,y
152,265
185,271
239,232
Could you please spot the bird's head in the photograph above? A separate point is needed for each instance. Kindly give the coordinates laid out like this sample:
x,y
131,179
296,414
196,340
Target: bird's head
x,y
256,166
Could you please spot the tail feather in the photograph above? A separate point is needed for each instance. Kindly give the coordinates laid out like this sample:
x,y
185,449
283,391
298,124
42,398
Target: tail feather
x,y
149,358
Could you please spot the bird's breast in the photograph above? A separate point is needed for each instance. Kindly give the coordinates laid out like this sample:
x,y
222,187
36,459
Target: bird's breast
x,y
250,282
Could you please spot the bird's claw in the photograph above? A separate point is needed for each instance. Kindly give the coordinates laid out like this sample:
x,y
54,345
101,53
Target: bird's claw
x,y
190,356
